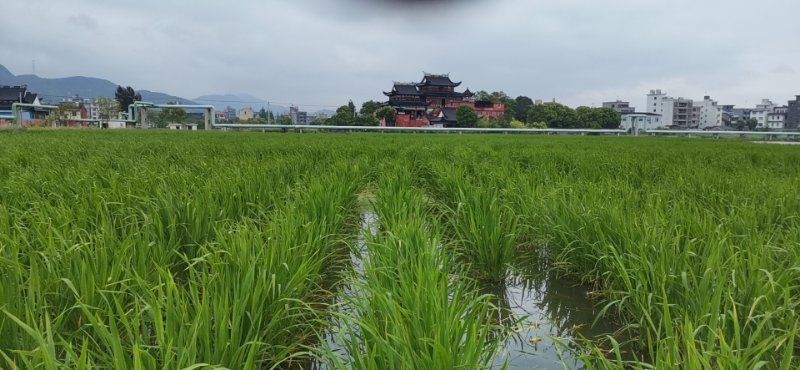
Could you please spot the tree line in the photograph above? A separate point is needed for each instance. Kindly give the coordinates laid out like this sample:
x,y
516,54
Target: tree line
x,y
520,112
370,114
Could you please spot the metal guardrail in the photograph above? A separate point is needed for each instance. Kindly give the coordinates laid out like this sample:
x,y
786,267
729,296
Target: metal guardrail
x,y
505,130
211,123
720,133
420,129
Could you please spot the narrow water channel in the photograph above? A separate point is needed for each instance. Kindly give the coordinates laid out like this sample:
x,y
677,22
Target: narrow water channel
x,y
369,225
552,310
556,310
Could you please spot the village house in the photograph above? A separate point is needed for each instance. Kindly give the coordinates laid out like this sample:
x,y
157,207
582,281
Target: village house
x,y
72,114
246,114
19,94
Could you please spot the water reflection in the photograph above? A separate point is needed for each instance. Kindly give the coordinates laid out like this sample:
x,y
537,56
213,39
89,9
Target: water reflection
x,y
555,310
369,227
544,314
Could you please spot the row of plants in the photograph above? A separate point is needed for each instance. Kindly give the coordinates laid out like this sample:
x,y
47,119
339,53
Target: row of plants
x,y
166,250
697,252
411,306
166,257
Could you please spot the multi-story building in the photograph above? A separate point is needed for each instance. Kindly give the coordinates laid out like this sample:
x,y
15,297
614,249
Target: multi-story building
x,y
762,111
91,111
675,112
793,114
621,107
707,113
776,120
683,113
246,114
731,115
298,117
656,100
760,115
766,104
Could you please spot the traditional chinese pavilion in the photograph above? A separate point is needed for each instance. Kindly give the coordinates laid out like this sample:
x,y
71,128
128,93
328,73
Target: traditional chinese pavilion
x,y
433,102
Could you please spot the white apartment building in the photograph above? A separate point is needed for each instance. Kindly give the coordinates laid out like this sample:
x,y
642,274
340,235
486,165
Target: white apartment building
x,y
763,112
674,111
777,119
766,104
760,115
707,113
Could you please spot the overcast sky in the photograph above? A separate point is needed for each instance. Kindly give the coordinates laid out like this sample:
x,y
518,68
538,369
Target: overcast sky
x,y
324,52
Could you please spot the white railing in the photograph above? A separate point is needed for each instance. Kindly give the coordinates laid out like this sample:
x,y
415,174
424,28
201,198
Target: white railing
x,y
720,133
420,129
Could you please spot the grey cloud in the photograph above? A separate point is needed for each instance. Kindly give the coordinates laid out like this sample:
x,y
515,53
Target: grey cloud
x,y
783,69
83,20
325,52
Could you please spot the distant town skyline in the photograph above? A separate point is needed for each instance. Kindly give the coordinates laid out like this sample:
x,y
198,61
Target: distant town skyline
x,y
323,53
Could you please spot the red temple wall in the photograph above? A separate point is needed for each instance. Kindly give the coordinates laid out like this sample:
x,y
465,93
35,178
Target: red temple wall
x,y
405,120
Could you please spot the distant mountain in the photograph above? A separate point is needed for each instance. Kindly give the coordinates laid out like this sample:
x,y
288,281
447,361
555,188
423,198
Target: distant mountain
x,y
239,101
326,112
5,74
56,89
161,98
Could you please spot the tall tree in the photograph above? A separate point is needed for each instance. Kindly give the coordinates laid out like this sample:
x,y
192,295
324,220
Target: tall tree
x,y
608,118
369,107
585,118
752,123
366,120
320,121
495,96
388,114
106,109
62,113
344,115
284,119
466,116
554,114
125,96
170,115
509,114
523,102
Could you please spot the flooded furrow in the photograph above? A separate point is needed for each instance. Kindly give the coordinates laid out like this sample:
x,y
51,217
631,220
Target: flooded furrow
x,y
369,225
546,314
558,313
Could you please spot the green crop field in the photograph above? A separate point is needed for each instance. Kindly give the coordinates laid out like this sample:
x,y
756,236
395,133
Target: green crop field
x,y
173,250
